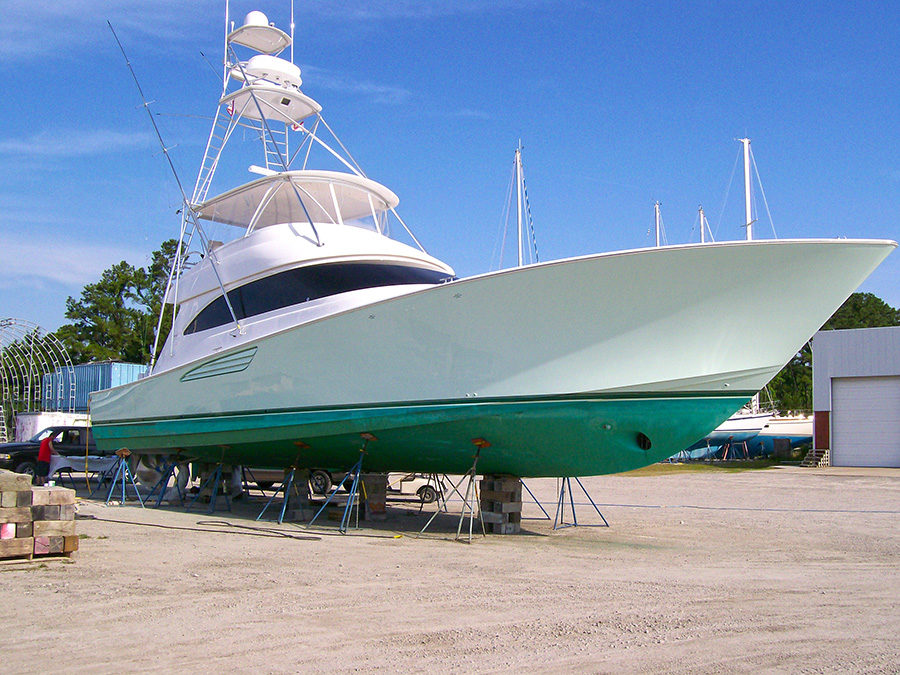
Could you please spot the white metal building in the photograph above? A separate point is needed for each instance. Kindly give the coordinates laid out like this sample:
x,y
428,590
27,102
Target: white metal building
x,y
856,395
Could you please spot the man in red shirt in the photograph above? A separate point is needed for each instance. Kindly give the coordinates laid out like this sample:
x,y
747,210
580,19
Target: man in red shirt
x,y
43,460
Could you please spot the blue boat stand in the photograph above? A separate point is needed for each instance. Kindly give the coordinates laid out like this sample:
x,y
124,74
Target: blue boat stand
x,y
123,471
559,521
216,479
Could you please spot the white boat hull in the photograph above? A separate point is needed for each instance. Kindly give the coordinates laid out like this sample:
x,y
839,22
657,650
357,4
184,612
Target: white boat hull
x,y
618,326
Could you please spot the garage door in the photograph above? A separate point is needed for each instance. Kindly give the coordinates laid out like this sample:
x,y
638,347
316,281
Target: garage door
x,y
865,421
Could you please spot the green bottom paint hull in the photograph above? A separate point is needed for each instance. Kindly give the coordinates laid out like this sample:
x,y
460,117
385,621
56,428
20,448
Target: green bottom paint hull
x,y
545,437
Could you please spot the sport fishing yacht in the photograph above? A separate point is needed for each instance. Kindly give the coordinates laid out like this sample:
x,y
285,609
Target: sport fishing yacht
x,y
314,326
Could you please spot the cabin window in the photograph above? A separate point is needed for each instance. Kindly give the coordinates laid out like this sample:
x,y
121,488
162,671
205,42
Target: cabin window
x,y
303,284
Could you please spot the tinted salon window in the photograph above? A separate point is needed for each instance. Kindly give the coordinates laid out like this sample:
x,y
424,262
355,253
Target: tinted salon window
x,y
307,283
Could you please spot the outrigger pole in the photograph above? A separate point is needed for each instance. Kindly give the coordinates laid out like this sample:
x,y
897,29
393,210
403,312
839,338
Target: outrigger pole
x,y
188,209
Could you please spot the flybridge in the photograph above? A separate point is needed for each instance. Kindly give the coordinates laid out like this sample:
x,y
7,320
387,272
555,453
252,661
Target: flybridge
x,y
262,93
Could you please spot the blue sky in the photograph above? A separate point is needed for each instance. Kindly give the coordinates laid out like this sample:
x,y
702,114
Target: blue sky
x,y
618,105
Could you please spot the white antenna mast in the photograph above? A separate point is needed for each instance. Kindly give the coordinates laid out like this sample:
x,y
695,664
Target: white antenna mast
x,y
656,217
225,58
292,31
702,228
748,218
519,197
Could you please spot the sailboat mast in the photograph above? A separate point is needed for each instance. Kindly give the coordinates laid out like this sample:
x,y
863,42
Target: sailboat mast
x,y
656,215
519,198
748,219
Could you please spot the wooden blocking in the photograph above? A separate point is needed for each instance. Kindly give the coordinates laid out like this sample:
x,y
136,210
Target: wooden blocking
x,y
375,485
8,499
54,528
40,496
52,496
19,514
14,482
24,497
14,548
7,530
501,503
70,544
67,512
56,544
25,529
48,512
41,545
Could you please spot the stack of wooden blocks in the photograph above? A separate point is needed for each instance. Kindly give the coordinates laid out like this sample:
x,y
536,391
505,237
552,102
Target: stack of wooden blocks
x,y
35,520
501,503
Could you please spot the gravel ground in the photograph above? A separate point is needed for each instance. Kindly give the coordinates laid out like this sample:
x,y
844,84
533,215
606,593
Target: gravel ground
x,y
778,570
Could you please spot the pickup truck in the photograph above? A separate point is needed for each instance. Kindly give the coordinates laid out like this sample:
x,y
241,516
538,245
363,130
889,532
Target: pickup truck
x,y
67,441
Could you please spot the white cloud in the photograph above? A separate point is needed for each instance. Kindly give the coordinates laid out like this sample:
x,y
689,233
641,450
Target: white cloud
x,y
25,260
379,93
68,143
33,28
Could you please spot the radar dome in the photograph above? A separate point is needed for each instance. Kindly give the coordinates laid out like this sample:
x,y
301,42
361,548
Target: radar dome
x,y
256,18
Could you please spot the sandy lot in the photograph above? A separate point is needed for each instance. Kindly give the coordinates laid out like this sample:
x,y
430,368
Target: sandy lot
x,y
784,569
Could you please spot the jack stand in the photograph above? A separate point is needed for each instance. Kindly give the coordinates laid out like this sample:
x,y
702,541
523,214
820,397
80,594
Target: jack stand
x,y
540,506
286,486
168,471
353,495
439,491
470,498
559,521
245,484
104,478
124,471
216,479
454,487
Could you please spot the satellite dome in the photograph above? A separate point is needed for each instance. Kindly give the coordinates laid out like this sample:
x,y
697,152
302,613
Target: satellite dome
x,y
256,18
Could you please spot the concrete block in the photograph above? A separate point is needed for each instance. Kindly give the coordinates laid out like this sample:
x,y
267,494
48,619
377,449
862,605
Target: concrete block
x,y
491,517
14,482
507,483
507,507
506,528
13,548
497,495
54,528
300,514
19,514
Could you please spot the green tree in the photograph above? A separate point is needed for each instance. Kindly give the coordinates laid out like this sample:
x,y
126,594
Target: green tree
x,y
116,318
792,386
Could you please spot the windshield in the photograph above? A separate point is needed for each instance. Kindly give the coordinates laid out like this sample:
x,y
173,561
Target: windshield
x,y
41,435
